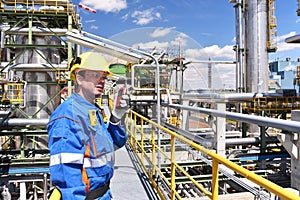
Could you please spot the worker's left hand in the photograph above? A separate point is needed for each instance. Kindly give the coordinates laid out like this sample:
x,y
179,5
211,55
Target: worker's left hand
x,y
121,104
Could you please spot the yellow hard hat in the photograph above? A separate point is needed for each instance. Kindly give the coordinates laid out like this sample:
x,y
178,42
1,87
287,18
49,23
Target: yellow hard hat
x,y
90,61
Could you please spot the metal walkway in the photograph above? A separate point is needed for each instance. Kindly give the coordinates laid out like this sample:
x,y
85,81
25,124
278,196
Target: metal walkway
x,y
129,180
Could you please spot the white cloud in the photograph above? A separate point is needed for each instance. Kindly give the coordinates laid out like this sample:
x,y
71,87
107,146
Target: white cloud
x,y
90,21
213,51
145,17
125,17
94,27
283,37
153,44
161,32
106,5
286,46
290,68
158,15
283,46
179,40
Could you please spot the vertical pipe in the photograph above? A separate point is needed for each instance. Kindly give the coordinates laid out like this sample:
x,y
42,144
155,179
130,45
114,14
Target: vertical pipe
x,y
209,73
2,39
263,75
45,182
22,191
181,85
30,30
239,46
70,55
252,46
220,131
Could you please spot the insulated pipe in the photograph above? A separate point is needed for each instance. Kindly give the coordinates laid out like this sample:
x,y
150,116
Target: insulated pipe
x,y
4,113
32,67
293,39
2,28
37,67
19,122
196,138
40,31
2,39
229,142
256,39
263,73
251,35
223,97
288,125
246,141
104,46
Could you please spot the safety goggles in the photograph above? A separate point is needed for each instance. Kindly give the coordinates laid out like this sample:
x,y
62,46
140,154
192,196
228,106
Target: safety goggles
x,y
93,75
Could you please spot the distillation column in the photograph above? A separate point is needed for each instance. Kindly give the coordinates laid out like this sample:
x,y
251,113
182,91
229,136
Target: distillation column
x,y
256,46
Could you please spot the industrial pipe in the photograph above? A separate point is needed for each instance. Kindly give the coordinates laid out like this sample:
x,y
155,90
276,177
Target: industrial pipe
x,y
288,125
229,142
119,51
4,113
221,97
39,31
249,140
19,122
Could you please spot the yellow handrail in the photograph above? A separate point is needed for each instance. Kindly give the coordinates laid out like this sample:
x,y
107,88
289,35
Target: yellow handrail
x,y
137,138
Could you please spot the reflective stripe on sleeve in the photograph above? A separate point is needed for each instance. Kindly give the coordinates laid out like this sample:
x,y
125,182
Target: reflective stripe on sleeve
x,y
63,158
98,162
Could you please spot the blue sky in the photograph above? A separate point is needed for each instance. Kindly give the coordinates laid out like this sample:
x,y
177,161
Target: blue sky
x,y
205,25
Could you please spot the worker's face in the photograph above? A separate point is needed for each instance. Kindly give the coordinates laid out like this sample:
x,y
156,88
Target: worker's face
x,y
91,83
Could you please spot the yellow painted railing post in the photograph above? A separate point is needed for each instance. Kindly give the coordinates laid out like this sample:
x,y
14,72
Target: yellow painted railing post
x,y
27,6
173,169
134,134
142,141
215,179
131,128
153,150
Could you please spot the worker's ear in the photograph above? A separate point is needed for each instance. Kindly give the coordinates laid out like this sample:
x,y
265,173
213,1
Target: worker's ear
x,y
79,79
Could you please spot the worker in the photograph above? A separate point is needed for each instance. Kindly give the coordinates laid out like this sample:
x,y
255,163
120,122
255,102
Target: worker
x,y
81,144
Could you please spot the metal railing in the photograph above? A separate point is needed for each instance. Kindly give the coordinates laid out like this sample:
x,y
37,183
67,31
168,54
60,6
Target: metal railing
x,y
143,141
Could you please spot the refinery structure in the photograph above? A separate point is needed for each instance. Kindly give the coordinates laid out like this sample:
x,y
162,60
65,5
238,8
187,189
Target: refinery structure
x,y
241,144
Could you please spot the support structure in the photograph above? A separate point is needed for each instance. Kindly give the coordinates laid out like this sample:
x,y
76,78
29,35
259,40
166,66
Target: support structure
x,y
291,142
33,72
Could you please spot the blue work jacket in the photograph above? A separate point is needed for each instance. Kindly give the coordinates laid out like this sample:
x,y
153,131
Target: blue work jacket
x,y
81,150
